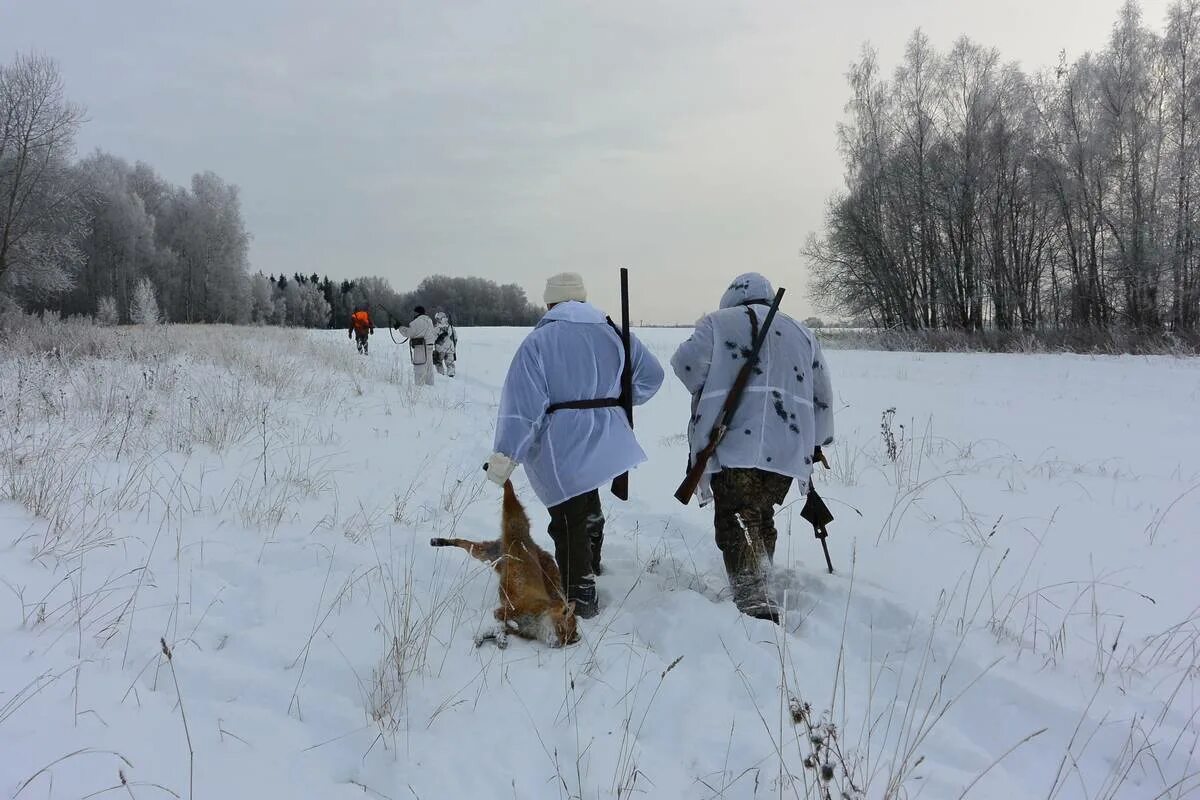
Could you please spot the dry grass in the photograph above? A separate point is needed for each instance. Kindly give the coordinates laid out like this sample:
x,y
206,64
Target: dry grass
x,y
101,427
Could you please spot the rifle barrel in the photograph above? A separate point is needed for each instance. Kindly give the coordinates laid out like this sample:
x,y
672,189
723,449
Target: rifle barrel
x,y
620,484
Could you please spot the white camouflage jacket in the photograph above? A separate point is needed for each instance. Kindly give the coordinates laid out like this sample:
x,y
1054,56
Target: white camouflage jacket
x,y
786,409
572,354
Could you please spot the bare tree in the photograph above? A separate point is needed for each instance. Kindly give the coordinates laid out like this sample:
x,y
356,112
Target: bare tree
x,y
979,196
1181,47
1133,108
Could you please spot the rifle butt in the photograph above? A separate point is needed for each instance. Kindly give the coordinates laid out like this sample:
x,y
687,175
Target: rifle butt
x,y
692,482
620,486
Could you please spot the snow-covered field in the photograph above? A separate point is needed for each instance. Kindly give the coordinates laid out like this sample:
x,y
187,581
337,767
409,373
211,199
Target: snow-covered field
x,y
1015,613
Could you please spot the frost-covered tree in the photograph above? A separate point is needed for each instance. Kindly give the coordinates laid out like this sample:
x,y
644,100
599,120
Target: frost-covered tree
x,y
205,230
39,214
262,300
119,244
143,310
73,232
306,305
106,311
314,309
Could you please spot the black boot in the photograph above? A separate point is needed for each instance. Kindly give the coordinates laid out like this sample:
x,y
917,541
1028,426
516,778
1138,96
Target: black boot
x,y
584,598
751,597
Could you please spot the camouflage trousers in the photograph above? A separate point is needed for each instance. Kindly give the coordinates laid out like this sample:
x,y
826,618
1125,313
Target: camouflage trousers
x,y
745,501
443,361
360,340
577,528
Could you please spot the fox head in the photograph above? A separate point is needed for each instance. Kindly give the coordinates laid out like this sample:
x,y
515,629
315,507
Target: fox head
x,y
563,619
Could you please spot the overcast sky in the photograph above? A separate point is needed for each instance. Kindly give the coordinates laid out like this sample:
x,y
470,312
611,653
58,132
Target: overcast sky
x,y
688,140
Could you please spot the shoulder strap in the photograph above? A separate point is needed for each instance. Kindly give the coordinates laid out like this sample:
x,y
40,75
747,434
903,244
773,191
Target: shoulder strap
x,y
753,325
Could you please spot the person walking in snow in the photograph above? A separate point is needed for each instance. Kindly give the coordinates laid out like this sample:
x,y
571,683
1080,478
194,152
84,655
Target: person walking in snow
x,y
420,334
560,417
445,344
784,416
361,326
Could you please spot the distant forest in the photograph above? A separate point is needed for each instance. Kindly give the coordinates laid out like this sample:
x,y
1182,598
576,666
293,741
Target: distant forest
x,y
979,196
103,238
316,301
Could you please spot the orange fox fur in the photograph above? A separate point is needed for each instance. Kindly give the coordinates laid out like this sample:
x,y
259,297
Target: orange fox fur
x,y
532,603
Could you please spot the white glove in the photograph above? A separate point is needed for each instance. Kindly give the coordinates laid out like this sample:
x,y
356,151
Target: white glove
x,y
499,468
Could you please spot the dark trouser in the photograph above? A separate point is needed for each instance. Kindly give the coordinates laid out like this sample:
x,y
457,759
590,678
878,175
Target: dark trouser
x,y
577,528
745,502
360,339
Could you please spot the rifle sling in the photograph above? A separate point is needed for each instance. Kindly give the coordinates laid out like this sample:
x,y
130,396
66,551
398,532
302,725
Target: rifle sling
x,y
727,412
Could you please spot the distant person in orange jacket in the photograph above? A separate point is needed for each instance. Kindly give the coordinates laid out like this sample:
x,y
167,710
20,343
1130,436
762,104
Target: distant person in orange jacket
x,y
360,328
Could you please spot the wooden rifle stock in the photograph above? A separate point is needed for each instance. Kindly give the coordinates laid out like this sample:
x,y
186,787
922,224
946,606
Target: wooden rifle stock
x,y
696,471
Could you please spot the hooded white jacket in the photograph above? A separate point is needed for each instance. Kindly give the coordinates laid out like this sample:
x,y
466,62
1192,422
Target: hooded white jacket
x,y
572,354
786,408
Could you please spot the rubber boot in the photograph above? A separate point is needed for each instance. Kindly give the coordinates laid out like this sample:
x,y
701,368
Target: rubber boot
x,y
584,598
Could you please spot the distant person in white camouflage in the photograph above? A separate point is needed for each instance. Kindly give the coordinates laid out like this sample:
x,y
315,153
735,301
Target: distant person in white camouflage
x,y
420,333
784,417
445,344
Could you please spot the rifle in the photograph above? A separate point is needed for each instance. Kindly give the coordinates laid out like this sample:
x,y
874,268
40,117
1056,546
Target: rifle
x,y
620,484
816,512
696,472
392,317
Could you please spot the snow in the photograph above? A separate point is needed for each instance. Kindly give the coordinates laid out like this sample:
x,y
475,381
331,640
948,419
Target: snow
x,y
262,500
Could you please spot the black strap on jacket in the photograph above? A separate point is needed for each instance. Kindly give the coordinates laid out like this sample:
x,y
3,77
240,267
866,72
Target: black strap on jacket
x,y
603,402
600,402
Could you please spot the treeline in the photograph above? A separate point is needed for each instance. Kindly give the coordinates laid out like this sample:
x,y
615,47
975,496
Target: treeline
x,y
317,301
103,238
981,196
474,301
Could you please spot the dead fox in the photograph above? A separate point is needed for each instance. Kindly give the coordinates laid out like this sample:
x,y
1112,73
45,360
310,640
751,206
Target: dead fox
x,y
532,603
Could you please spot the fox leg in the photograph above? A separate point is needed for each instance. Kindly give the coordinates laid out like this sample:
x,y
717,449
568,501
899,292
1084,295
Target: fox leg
x,y
497,634
484,551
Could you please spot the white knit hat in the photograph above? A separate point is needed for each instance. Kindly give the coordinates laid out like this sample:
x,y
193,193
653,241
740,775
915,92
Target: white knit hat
x,y
565,286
